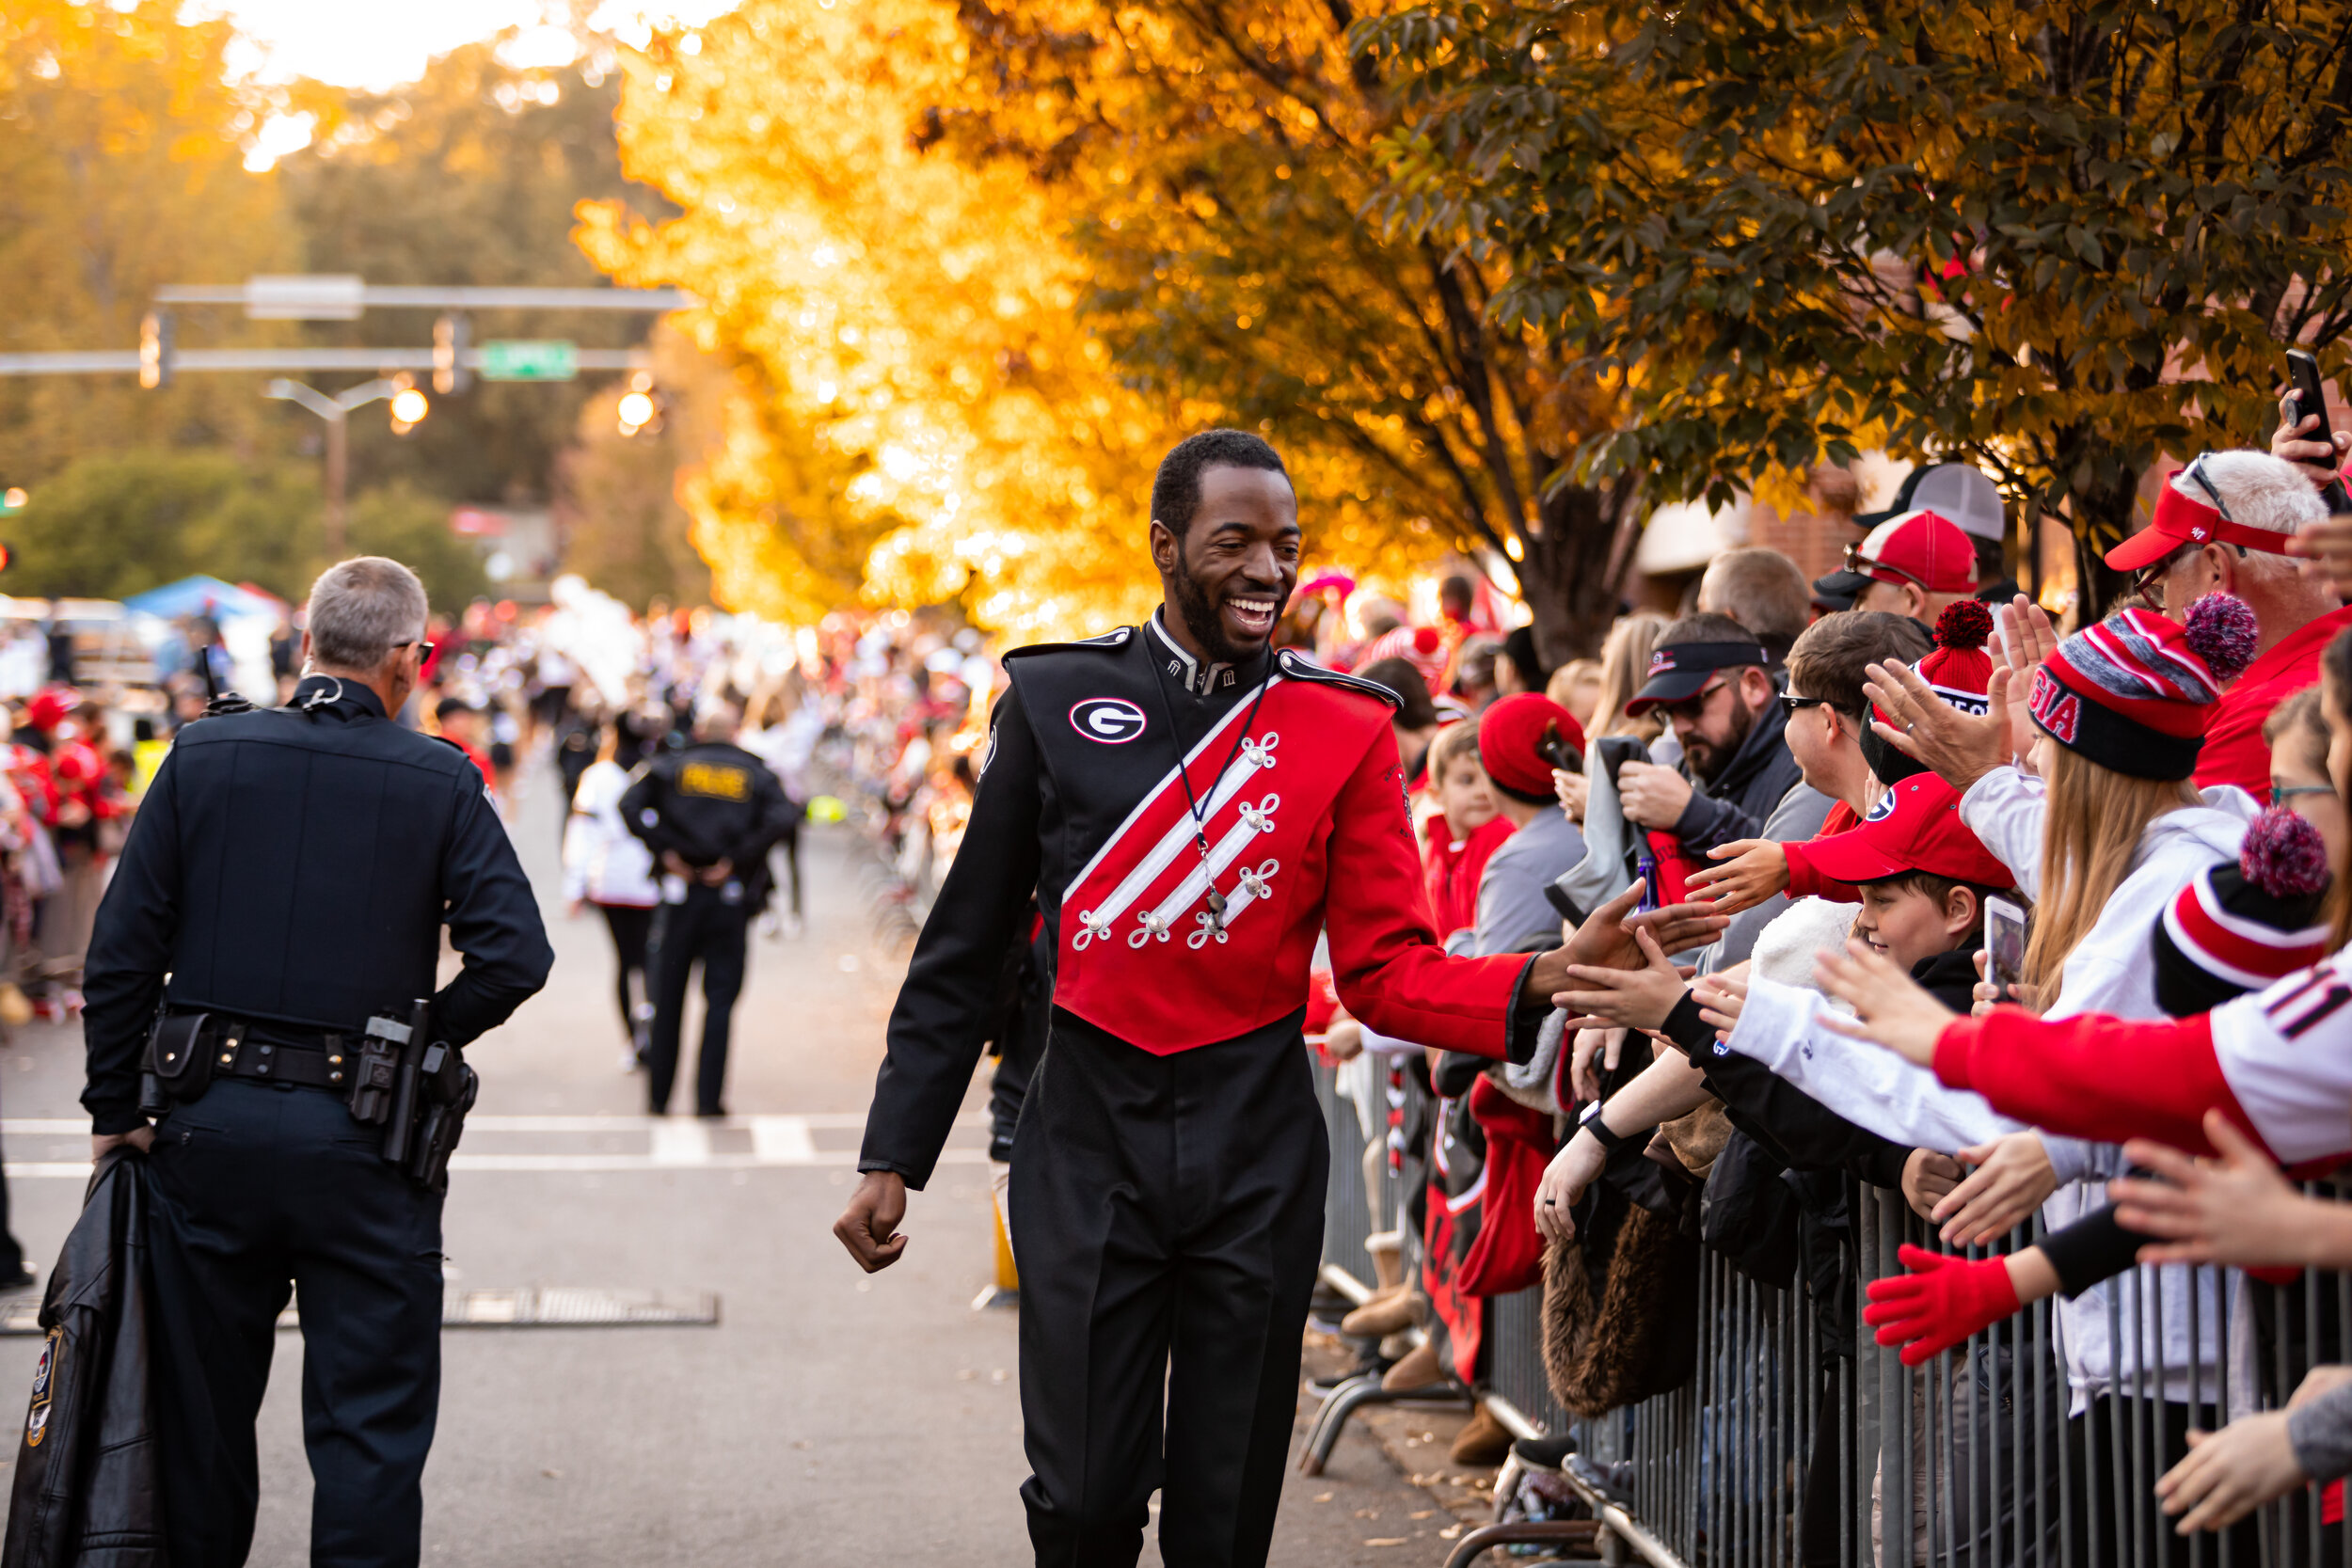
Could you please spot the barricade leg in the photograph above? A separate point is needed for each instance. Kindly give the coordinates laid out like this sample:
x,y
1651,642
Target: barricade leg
x,y
1352,1396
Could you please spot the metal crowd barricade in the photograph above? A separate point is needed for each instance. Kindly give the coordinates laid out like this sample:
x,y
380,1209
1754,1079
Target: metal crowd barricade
x,y
1968,1460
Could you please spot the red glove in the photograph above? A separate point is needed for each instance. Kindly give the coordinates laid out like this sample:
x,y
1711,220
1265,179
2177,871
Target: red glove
x,y
1941,1302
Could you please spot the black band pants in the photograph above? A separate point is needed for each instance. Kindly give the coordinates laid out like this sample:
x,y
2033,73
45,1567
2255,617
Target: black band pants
x,y
1167,1215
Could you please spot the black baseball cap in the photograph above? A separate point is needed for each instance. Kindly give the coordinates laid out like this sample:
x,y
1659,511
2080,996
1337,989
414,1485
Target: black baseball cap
x,y
1839,590
1680,669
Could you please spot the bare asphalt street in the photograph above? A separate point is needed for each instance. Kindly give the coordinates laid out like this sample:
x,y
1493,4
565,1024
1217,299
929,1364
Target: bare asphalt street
x,y
825,1418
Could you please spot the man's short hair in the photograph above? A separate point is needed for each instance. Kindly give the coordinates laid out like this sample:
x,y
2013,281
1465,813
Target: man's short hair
x,y
1764,592
1828,660
1417,711
449,707
2256,491
363,609
1176,488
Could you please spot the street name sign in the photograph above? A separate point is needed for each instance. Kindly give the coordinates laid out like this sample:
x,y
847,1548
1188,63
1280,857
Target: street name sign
x,y
529,359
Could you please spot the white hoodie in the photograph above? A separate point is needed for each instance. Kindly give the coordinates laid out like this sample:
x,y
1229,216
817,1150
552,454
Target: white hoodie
x,y
603,862
2110,971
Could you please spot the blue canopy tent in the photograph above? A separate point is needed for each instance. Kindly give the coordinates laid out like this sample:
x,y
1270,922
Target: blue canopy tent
x,y
204,595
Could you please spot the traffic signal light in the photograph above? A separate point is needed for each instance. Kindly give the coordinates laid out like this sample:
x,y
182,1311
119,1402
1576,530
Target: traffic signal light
x,y
155,340
639,408
409,407
452,335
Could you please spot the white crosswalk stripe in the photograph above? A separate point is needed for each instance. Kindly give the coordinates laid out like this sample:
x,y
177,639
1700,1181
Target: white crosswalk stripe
x,y
649,1144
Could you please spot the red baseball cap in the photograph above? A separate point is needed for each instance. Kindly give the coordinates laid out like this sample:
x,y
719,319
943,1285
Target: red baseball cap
x,y
1512,735
2183,519
1914,827
1923,547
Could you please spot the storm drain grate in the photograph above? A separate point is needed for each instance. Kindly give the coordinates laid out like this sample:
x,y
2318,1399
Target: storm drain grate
x,y
527,1306
576,1306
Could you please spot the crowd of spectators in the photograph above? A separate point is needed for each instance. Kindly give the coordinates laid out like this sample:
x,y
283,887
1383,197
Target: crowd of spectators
x,y
1812,803
2011,917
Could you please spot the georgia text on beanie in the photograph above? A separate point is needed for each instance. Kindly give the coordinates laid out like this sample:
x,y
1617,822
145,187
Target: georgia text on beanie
x,y
2135,693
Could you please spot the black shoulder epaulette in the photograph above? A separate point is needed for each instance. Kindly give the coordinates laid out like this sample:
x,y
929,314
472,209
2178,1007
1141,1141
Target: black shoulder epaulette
x,y
1300,668
1118,637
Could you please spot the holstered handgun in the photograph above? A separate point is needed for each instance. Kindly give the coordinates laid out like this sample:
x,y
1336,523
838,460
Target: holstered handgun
x,y
450,1088
178,1066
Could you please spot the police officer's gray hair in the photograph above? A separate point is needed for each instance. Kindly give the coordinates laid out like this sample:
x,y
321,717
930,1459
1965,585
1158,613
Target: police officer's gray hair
x,y
363,609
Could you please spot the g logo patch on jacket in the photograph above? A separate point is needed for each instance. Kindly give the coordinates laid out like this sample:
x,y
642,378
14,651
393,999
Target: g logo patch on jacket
x,y
1113,720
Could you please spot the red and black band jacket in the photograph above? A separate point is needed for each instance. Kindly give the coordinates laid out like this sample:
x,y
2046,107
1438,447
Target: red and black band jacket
x,y
1298,795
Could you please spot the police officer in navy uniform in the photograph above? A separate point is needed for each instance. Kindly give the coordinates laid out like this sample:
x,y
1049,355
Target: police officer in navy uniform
x,y
288,877
710,812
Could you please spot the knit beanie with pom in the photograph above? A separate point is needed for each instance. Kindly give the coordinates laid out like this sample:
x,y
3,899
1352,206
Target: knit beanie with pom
x,y
2135,693
2244,923
1959,671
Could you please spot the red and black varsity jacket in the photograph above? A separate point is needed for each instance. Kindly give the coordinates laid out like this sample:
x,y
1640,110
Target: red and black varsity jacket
x,y
1294,770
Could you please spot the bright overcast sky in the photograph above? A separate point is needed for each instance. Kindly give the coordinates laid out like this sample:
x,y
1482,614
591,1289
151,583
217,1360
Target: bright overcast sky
x,y
380,43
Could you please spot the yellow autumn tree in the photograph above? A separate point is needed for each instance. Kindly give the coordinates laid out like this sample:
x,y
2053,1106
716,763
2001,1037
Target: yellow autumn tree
x,y
917,413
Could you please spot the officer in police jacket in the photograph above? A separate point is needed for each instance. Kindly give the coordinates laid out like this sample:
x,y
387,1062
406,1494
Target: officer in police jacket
x,y
1192,811
709,813
288,877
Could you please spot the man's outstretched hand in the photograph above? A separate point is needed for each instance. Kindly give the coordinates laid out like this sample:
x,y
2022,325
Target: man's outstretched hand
x,y
869,1225
1606,940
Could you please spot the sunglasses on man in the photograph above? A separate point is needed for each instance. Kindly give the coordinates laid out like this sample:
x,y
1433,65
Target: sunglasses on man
x,y
1693,706
1863,565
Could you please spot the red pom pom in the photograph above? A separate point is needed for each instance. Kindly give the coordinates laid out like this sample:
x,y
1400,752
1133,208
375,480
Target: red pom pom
x,y
1425,640
1964,623
2283,854
2221,631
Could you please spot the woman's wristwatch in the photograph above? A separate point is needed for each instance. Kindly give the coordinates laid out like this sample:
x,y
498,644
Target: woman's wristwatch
x,y
1592,1123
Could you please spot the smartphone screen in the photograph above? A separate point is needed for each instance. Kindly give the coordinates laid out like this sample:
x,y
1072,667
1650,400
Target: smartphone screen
x,y
2309,399
2005,941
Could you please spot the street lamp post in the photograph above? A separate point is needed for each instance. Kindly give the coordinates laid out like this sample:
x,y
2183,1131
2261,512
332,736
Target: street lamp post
x,y
336,411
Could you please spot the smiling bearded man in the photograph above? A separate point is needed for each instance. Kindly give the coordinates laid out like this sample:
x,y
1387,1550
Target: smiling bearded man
x,y
1191,809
